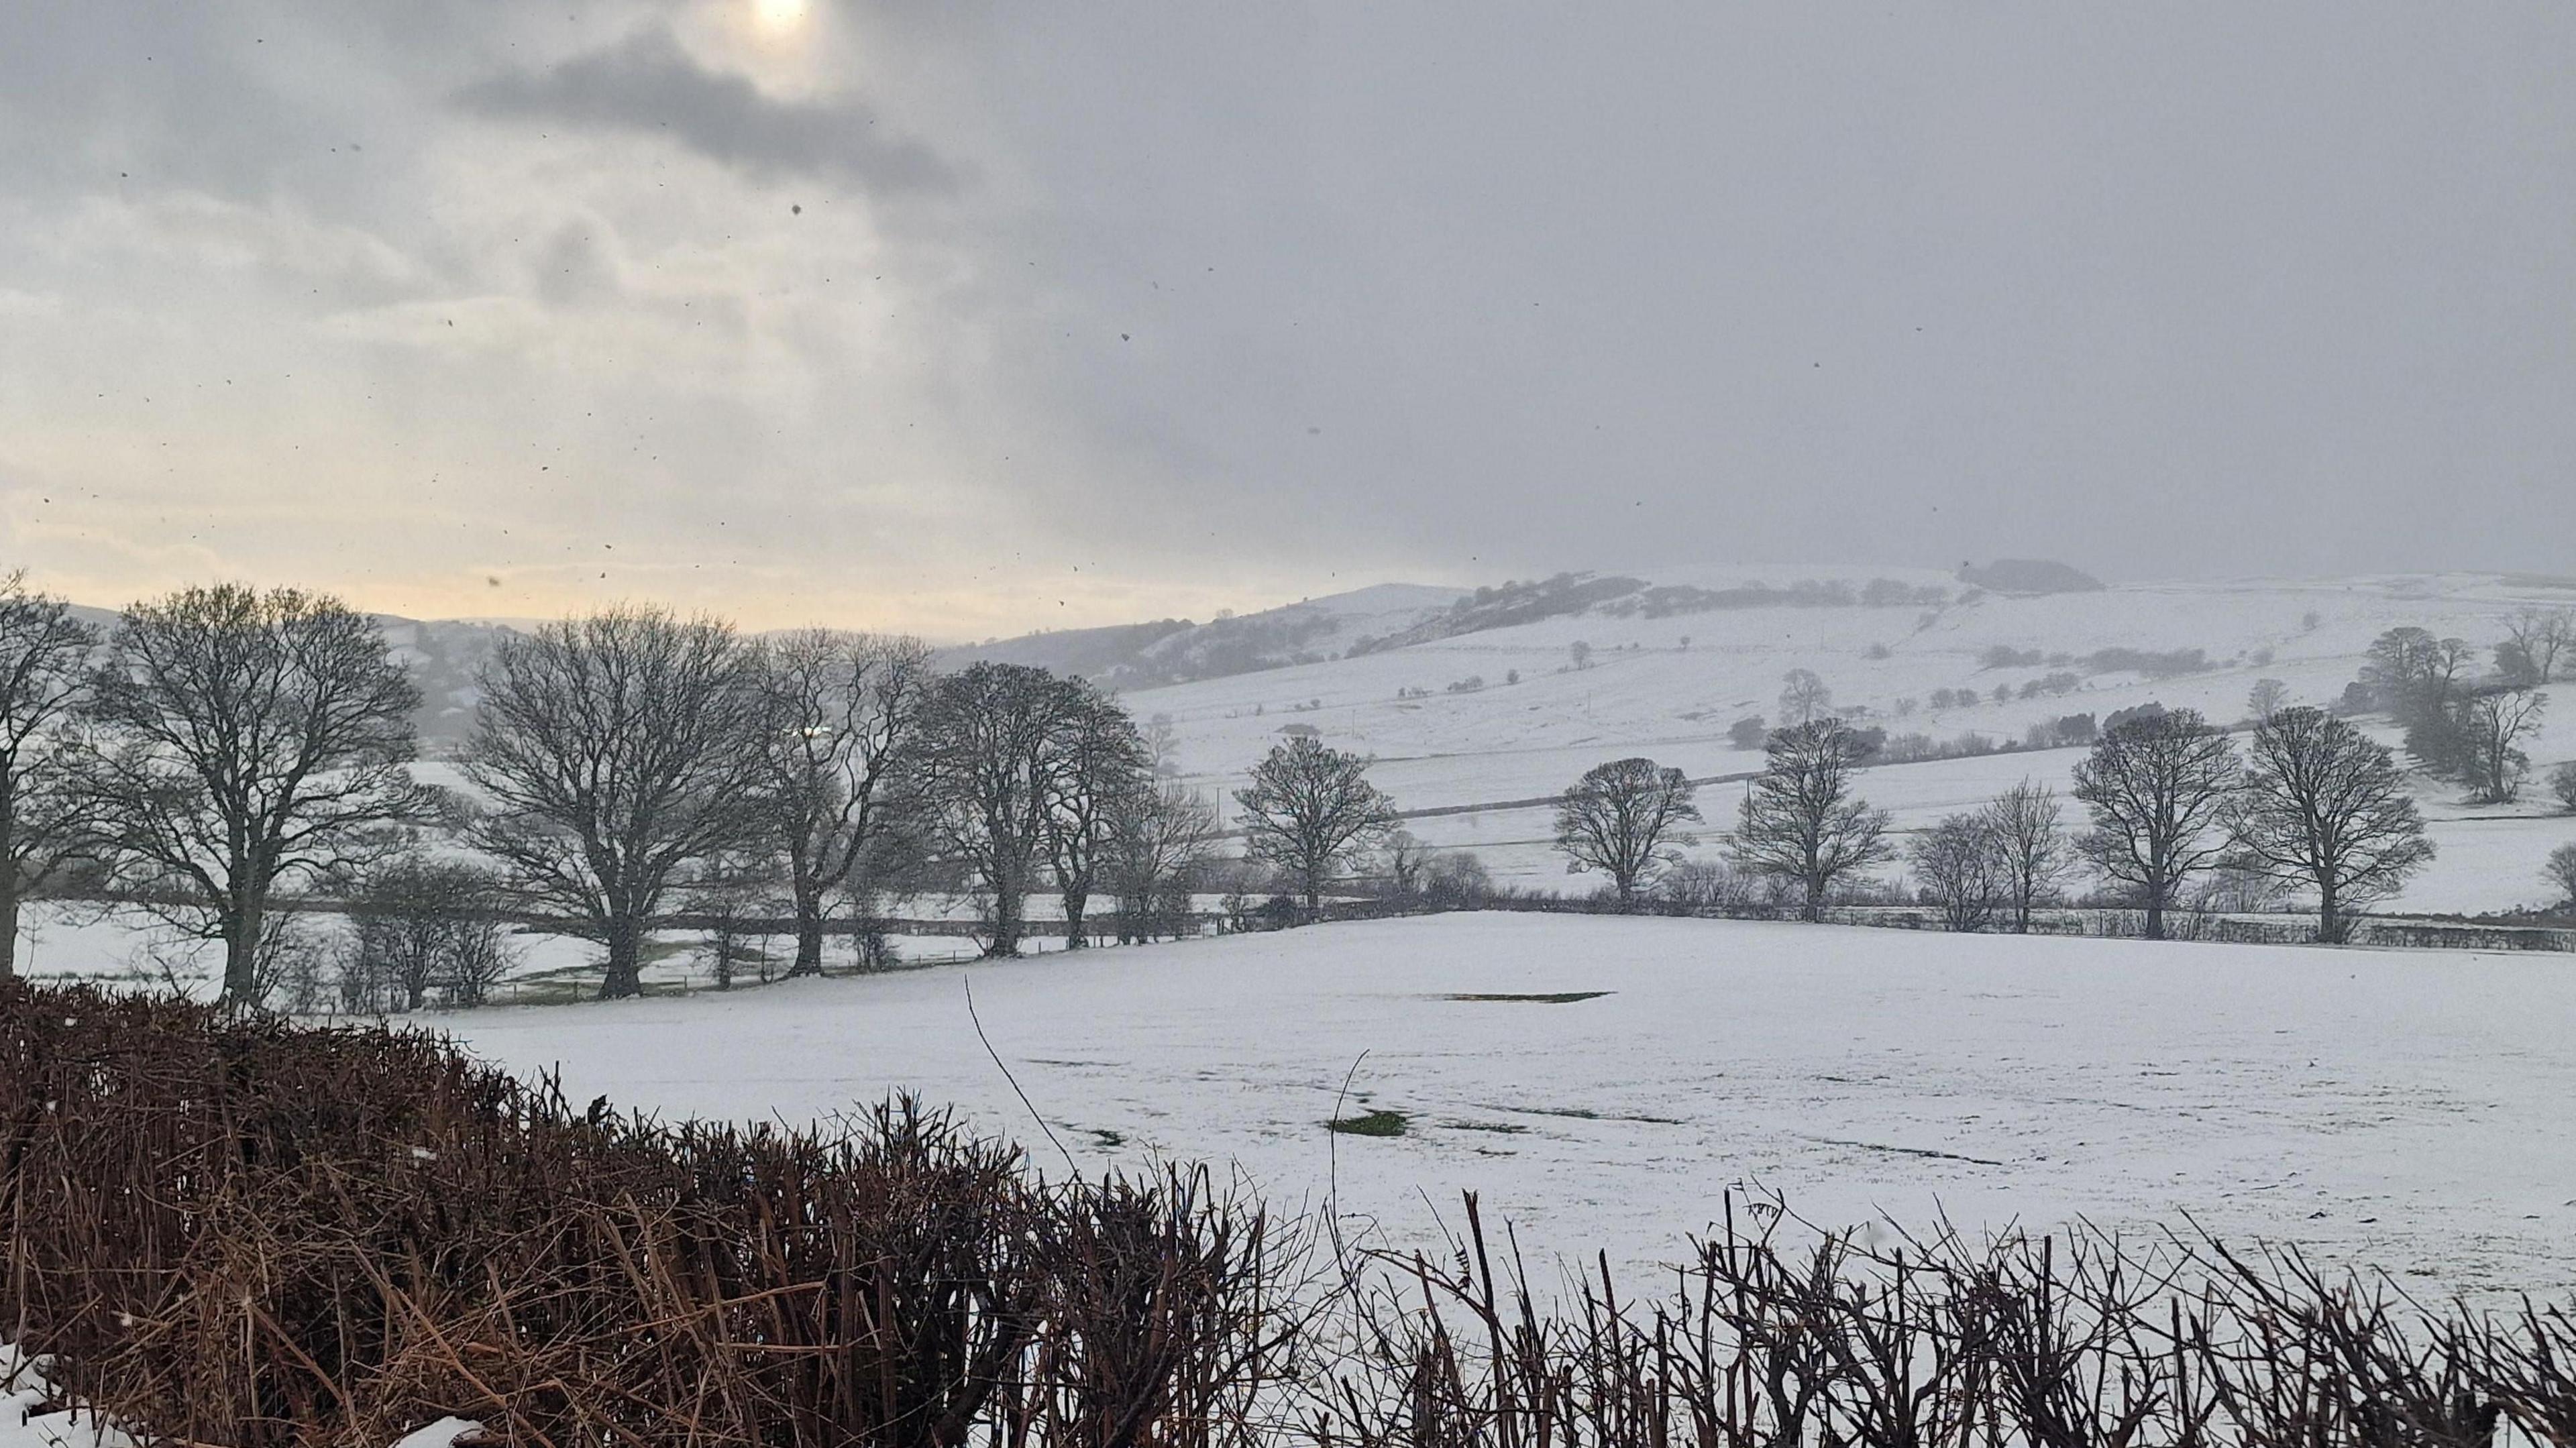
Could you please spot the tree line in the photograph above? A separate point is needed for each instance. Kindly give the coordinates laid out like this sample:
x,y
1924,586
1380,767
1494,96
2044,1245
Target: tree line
x,y
2310,803
223,751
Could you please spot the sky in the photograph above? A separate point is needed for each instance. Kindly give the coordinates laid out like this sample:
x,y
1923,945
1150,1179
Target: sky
x,y
969,319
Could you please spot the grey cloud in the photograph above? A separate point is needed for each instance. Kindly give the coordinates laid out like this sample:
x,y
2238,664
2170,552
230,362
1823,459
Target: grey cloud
x,y
648,85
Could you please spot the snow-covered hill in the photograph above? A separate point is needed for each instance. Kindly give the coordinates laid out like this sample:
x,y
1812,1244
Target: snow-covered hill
x,y
1507,713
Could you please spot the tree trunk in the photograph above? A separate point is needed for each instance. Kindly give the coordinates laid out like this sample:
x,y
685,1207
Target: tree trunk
x,y
2155,915
625,975
241,954
8,923
809,933
1076,903
1006,920
2330,921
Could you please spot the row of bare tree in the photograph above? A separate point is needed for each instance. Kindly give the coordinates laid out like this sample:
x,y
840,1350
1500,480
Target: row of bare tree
x,y
223,750
2311,803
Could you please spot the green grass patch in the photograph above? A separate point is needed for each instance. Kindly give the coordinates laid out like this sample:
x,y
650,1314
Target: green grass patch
x,y
1551,998
1380,1122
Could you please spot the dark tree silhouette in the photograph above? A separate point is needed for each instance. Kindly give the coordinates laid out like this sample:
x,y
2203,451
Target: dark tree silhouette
x,y
987,775
617,750
45,656
1308,809
247,741
1100,763
843,711
2155,786
1799,821
1625,819
2489,727
2031,847
1959,864
2325,807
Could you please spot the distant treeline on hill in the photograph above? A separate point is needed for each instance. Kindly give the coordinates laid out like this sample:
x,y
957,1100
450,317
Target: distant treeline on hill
x,y
1515,603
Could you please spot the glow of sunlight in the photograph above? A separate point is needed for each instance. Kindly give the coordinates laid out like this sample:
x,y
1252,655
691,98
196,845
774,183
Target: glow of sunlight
x,y
779,18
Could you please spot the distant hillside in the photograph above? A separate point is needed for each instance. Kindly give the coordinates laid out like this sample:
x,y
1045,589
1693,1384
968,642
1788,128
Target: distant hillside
x,y
1177,651
1394,616
2028,575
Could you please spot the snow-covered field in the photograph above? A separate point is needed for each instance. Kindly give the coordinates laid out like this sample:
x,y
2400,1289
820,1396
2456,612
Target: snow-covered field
x,y
2402,1109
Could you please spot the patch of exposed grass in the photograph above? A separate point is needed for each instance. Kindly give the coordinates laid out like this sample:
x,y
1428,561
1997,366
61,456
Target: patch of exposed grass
x,y
1380,1122
1109,1138
1550,997
1508,1128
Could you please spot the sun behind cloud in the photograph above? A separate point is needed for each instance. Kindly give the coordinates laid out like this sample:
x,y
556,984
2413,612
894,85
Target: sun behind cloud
x,y
779,17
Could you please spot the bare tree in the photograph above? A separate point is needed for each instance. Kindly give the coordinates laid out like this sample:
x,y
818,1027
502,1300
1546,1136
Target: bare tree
x,y
986,772
2562,785
1308,809
425,924
724,892
1161,840
1098,763
44,666
616,750
1406,858
1625,819
2561,871
2535,641
1706,885
1959,864
2155,786
2324,807
1804,699
843,710
2491,726
247,741
2266,699
1799,822
2032,849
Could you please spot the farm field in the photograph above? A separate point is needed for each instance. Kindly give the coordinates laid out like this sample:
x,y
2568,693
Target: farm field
x,y
2399,1109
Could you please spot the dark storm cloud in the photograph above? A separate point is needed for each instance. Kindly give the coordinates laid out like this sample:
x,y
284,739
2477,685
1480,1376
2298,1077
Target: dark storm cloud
x,y
648,85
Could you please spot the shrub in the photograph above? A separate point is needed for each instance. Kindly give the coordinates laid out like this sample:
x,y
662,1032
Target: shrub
x,y
2562,786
